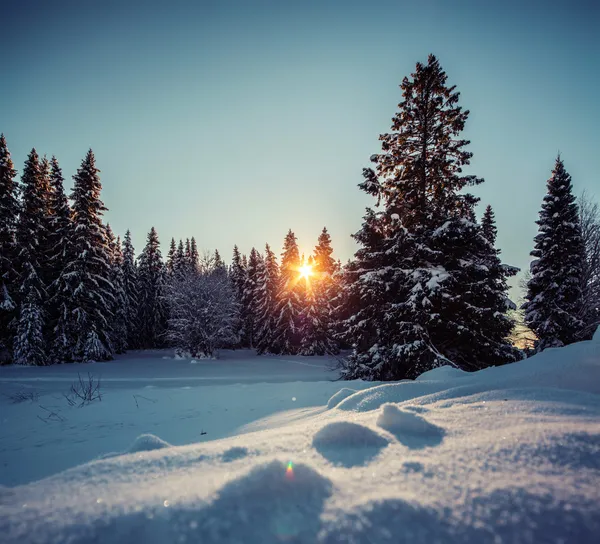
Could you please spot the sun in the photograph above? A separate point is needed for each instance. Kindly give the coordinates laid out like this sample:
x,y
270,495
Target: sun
x,y
306,271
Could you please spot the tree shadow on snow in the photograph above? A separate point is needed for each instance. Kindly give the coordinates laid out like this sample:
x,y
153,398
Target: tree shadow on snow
x,y
271,504
348,444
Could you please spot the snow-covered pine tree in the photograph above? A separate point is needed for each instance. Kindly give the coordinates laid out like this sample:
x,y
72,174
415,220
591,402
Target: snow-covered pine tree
x,y
194,256
171,256
413,314
488,225
237,277
316,331
249,297
317,327
286,338
553,300
365,295
187,256
60,253
29,345
324,263
152,315
131,290
46,242
61,222
119,307
85,280
219,266
32,226
9,213
267,283
179,266
32,237
473,281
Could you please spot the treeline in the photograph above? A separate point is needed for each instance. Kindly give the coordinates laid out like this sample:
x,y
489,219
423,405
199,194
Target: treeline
x,y
63,295
72,292
255,302
426,287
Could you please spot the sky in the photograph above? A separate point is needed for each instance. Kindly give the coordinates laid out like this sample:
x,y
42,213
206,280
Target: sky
x,y
236,120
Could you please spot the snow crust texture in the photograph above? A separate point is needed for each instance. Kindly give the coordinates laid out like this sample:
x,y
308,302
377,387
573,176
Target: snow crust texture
x,y
508,454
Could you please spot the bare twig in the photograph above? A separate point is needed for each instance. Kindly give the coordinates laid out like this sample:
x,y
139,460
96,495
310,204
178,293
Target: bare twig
x,y
135,397
52,416
84,391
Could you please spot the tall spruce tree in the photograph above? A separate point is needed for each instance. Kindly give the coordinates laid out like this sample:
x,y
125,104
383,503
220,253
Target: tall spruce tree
x,y
286,337
237,277
266,300
249,297
131,290
29,342
171,257
194,256
119,307
32,227
187,256
324,263
412,312
317,327
553,300
32,236
316,330
47,218
219,266
152,306
60,253
9,213
363,298
179,259
488,225
61,223
85,280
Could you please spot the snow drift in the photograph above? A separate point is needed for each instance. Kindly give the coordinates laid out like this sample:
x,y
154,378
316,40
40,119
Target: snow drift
x,y
507,454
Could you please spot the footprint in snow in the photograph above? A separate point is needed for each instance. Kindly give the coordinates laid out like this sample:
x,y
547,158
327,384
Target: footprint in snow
x,y
409,428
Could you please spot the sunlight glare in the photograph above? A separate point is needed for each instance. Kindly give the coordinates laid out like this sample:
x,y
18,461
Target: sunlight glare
x,y
306,271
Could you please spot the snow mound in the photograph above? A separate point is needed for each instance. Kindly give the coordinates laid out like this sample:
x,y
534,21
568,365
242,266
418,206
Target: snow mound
x,y
348,444
147,442
575,367
342,394
446,372
144,442
409,428
374,397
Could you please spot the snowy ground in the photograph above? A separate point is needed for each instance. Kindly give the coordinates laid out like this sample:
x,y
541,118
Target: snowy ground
x,y
508,454
147,392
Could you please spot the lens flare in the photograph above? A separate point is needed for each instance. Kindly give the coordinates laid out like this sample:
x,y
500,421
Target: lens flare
x,y
289,473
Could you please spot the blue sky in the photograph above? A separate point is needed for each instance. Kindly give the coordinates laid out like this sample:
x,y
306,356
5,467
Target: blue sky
x,y
233,121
